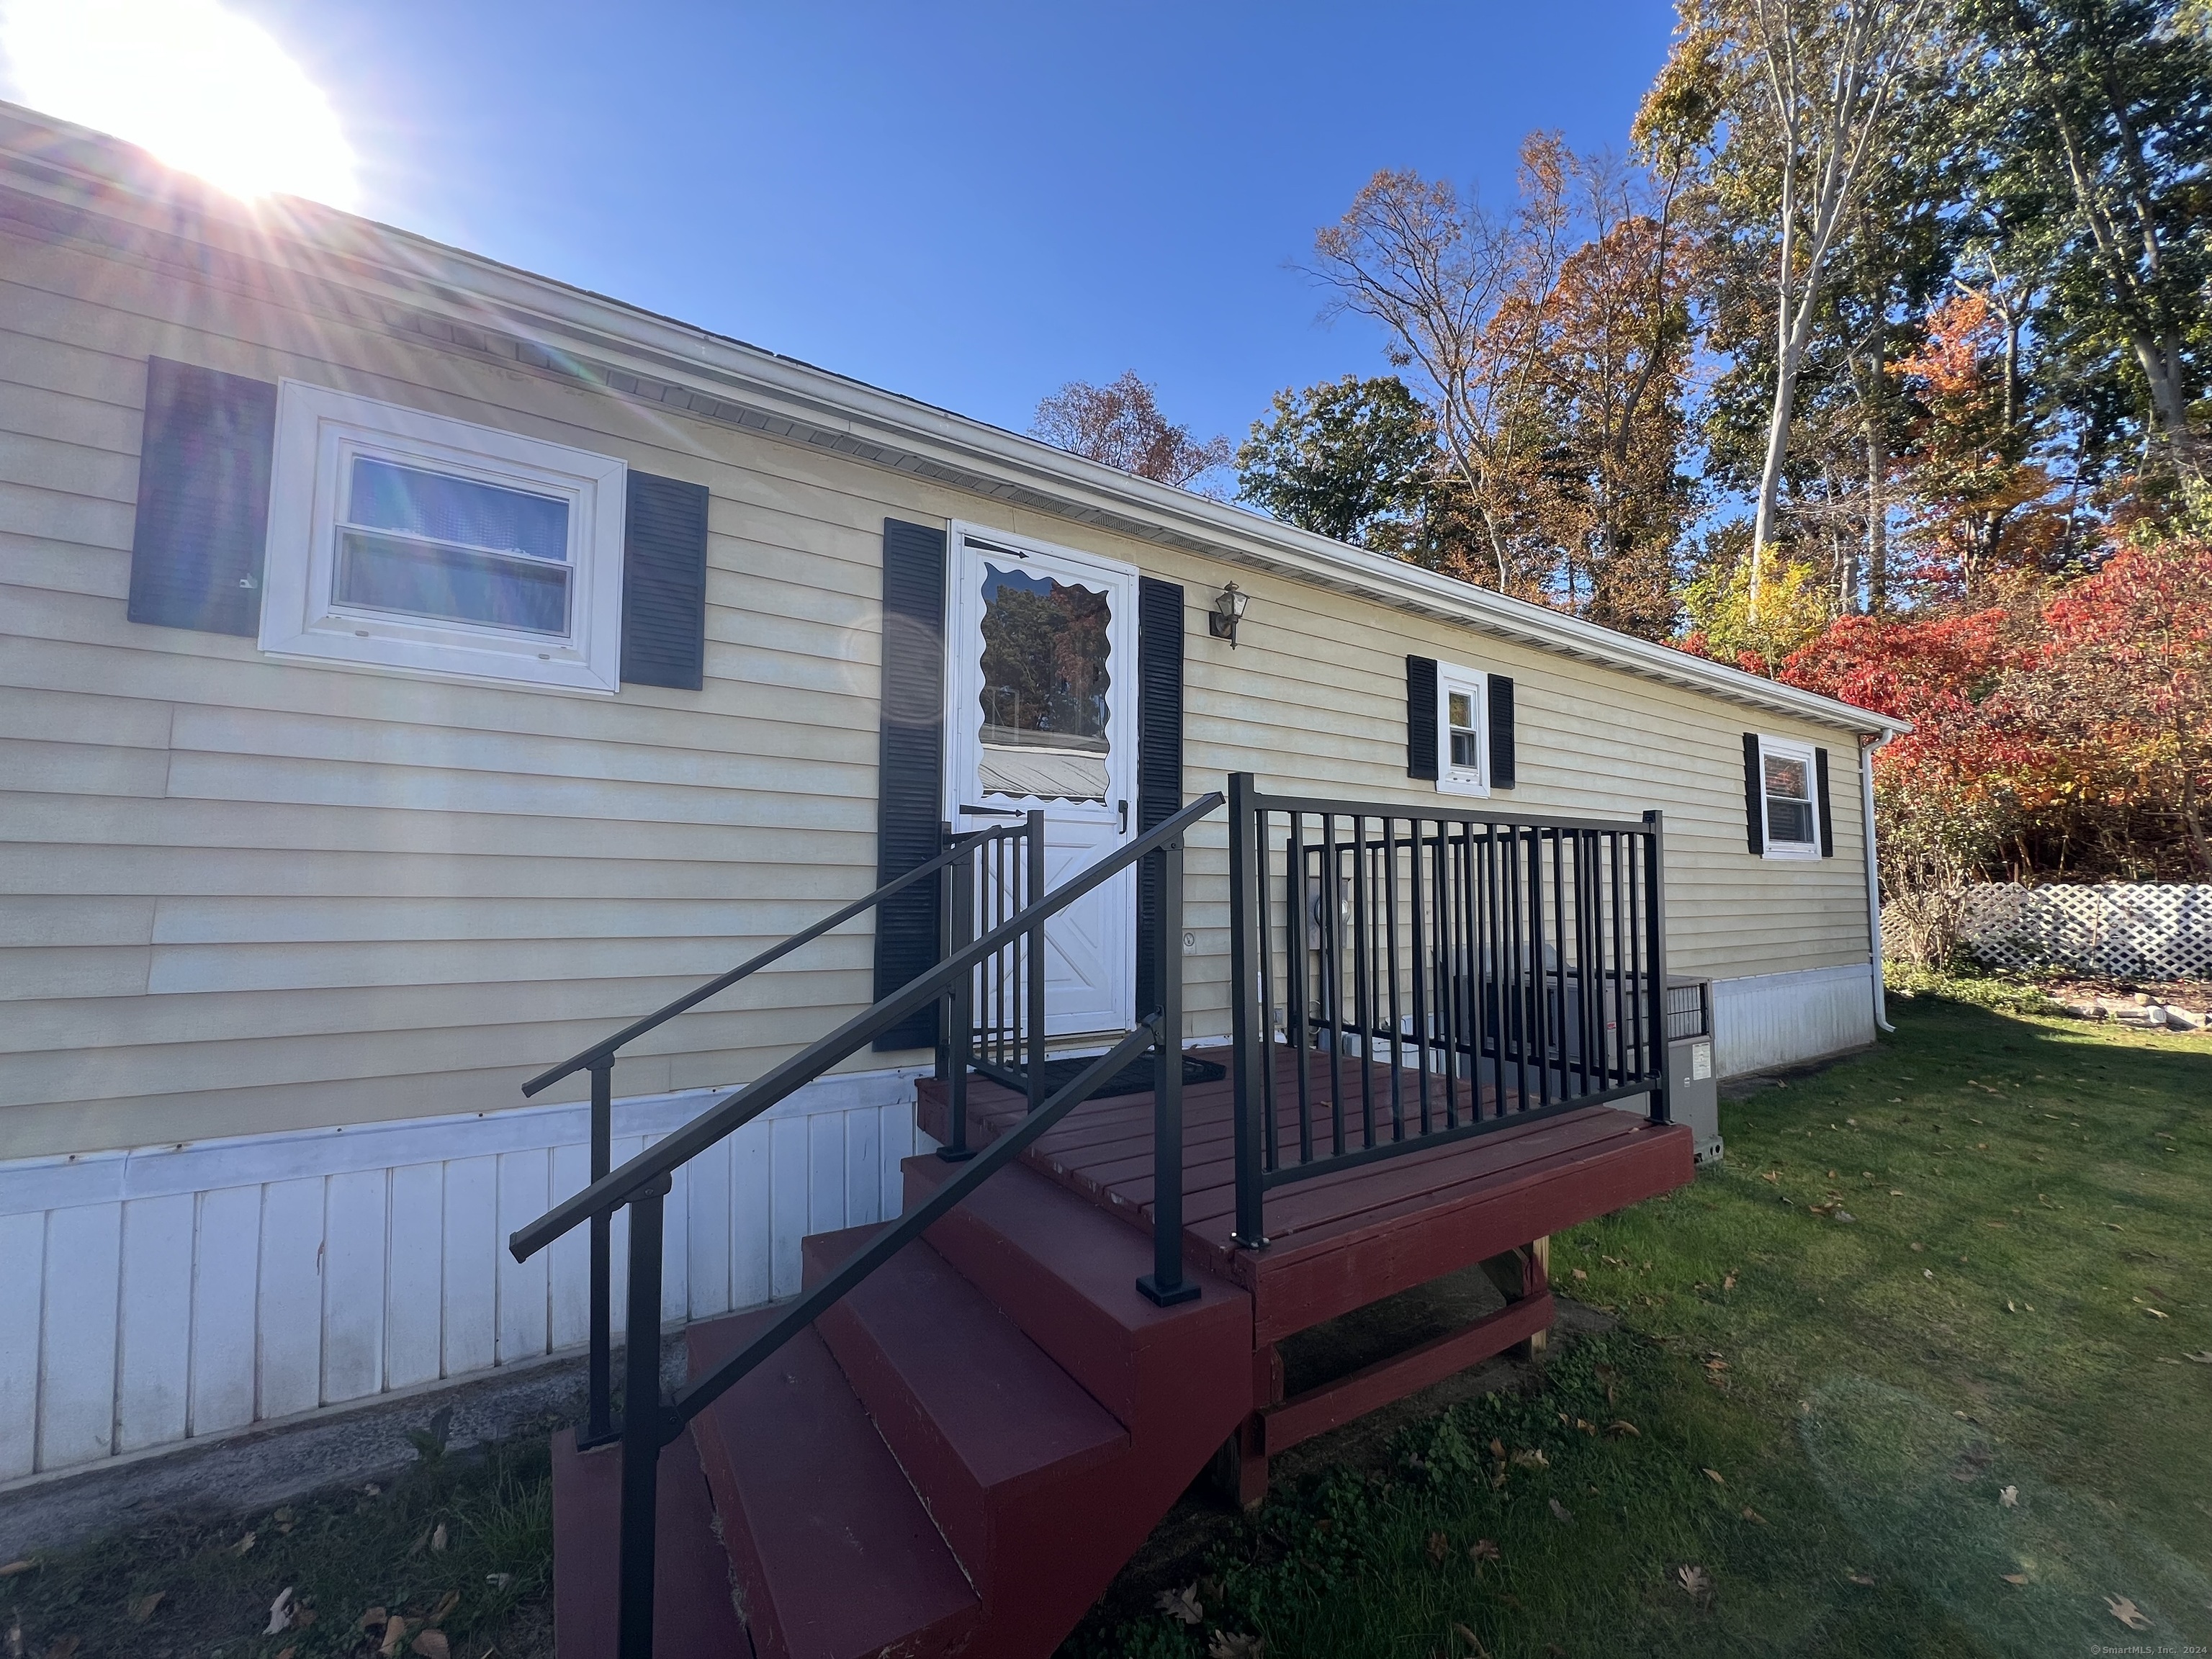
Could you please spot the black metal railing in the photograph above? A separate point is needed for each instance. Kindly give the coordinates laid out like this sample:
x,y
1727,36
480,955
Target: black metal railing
x,y
650,1422
959,868
994,1023
1407,975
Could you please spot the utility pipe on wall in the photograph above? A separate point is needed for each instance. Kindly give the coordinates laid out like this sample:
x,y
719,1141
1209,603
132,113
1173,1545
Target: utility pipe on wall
x,y
1874,876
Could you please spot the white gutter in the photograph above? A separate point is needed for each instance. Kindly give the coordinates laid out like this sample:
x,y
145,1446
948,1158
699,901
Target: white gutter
x,y
1874,877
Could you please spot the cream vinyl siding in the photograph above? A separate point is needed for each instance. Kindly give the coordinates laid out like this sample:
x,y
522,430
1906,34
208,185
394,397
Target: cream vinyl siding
x,y
240,896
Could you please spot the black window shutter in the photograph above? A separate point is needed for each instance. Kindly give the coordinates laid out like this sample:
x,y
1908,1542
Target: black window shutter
x,y
1754,796
1501,731
1827,820
196,547
910,779
1159,749
1420,717
664,582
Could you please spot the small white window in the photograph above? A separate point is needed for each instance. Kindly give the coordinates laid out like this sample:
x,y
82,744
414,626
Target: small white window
x,y
1463,730
1787,787
429,545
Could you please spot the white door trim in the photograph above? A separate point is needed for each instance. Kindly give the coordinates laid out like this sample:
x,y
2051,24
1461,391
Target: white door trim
x,y
1108,825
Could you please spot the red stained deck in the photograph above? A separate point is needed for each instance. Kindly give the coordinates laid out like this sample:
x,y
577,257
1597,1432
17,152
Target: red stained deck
x,y
1342,1240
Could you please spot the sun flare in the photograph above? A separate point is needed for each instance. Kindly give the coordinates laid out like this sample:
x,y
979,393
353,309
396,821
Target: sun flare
x,y
204,89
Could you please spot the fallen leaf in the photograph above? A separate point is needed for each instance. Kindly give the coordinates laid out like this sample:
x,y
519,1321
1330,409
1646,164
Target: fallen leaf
x,y
1482,1550
1181,1605
1862,1578
2014,1578
2127,1613
2204,1358
1622,1425
431,1644
280,1613
1497,1448
2009,1498
286,1653
1579,1274
1561,1511
1532,1459
1714,1476
1751,1513
1692,1580
395,1633
2154,1313
141,1607
1845,1215
63,1647
499,1580
15,1567
242,1545
1472,1640
438,1537
373,1617
446,1603
1728,1283
1439,1547
1772,1175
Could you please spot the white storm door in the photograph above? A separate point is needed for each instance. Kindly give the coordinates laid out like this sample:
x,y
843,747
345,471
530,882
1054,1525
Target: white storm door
x,y
1043,714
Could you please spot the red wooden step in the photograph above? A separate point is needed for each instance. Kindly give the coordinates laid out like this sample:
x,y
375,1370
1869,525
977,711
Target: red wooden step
x,y
835,1554
1067,1272
992,1433
693,1617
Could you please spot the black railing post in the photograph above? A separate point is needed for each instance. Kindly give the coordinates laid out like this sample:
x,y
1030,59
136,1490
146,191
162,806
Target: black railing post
x,y
946,839
643,1430
1655,911
1248,930
1033,948
1165,1283
598,1427
960,1006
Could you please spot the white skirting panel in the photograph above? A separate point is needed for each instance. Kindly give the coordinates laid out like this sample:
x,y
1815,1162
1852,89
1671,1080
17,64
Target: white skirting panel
x,y
1771,1020
159,1295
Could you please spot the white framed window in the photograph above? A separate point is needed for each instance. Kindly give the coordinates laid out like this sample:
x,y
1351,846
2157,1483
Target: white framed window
x,y
1463,730
1789,798
422,544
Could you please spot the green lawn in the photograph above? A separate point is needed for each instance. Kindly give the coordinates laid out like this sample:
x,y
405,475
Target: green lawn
x,y
1828,1414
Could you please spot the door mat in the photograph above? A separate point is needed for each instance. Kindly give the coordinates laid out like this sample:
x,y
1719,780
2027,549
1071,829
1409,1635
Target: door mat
x,y
1134,1079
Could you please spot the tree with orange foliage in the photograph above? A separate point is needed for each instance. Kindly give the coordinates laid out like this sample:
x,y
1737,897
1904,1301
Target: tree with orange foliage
x,y
1980,503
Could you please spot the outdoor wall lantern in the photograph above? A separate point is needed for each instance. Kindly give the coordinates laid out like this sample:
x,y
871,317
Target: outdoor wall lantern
x,y
1228,610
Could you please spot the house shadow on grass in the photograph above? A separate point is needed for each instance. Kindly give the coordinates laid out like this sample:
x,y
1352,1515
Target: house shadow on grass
x,y
2028,1566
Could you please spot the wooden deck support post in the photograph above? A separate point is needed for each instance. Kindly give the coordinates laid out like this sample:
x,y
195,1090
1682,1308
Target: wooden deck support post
x,y
1520,1274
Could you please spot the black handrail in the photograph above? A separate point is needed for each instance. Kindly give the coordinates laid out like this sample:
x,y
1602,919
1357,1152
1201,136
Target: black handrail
x,y
1478,968
637,1028
599,1059
648,1423
740,1106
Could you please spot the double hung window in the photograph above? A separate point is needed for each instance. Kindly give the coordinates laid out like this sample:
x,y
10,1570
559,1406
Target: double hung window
x,y
1463,730
1787,785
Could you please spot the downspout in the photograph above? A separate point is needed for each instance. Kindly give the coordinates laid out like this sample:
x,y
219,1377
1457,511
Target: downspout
x,y
1873,877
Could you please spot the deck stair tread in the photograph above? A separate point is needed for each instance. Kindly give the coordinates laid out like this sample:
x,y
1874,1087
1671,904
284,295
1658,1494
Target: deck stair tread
x,y
962,1395
836,1554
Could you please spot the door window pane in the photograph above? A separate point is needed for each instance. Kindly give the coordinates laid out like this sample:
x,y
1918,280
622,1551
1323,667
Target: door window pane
x,y
1045,682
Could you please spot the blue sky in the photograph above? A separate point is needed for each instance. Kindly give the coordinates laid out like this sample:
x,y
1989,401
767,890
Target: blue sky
x,y
967,205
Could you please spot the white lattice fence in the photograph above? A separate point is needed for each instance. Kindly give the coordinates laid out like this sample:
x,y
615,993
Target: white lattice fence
x,y
2148,930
